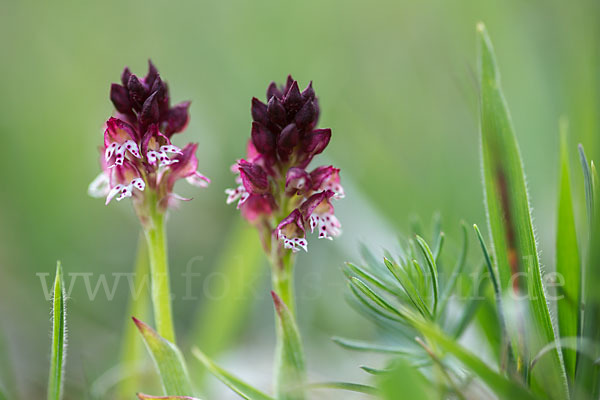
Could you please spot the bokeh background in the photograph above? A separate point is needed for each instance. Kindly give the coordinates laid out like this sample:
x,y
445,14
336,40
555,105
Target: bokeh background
x,y
397,84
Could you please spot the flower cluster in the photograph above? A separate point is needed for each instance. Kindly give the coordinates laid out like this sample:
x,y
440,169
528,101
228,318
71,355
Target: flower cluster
x,y
137,154
275,190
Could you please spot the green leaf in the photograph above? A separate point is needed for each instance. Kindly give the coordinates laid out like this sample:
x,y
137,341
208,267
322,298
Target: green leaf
x,y
369,347
168,361
59,337
143,396
243,389
567,257
409,289
511,229
352,387
290,373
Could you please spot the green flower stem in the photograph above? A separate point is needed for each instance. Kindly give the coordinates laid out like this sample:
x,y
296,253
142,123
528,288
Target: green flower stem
x,y
289,375
159,272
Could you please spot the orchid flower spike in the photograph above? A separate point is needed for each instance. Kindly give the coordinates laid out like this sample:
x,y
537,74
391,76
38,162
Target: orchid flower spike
x,y
137,155
275,190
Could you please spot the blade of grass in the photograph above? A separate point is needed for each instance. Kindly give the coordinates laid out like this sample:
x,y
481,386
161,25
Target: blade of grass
x,y
567,257
351,387
369,347
587,384
511,229
132,348
168,361
238,386
143,396
219,319
59,337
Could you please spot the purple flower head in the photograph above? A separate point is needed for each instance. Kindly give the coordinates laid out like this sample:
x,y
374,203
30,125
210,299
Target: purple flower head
x,y
274,188
138,154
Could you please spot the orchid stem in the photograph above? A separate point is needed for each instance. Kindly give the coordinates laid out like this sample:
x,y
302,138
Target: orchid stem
x,y
159,271
289,376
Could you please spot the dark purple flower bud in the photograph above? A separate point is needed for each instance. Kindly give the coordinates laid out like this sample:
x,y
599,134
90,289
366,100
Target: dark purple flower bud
x,y
253,177
288,83
316,141
297,180
263,139
125,76
137,92
327,178
276,111
259,111
177,118
288,139
120,98
151,75
306,116
150,111
273,90
293,99
308,93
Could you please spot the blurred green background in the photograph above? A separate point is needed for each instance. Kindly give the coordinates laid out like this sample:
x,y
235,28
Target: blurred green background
x,y
396,83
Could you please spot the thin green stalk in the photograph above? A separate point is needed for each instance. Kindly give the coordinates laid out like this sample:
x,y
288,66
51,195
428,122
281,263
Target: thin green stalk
x,y
159,272
289,355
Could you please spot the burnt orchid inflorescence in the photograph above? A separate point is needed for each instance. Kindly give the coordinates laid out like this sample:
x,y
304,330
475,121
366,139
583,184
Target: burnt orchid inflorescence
x,y
275,190
139,161
137,156
278,193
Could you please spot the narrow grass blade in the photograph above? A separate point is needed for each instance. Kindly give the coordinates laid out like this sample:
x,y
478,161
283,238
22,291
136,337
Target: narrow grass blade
x,y
358,345
587,180
143,396
168,361
220,318
132,348
351,387
237,385
567,257
587,383
511,229
290,373
59,337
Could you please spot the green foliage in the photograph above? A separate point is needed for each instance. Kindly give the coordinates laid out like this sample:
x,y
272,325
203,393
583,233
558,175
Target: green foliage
x,y
243,389
59,337
405,379
511,230
168,361
567,258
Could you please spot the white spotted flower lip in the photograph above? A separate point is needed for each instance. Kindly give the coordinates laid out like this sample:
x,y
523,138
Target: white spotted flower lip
x,y
276,191
138,155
